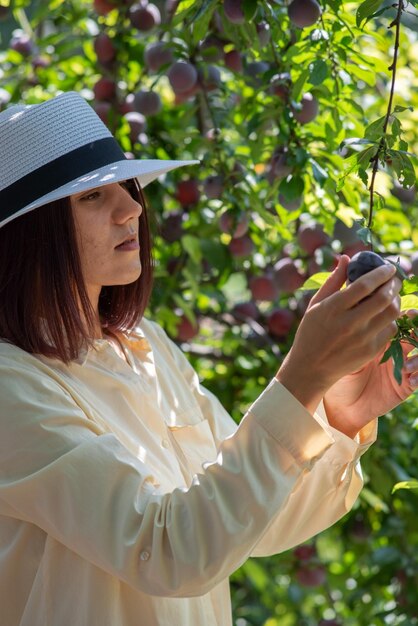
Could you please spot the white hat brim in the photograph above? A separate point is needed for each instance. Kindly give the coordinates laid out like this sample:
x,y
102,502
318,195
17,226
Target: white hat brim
x,y
145,171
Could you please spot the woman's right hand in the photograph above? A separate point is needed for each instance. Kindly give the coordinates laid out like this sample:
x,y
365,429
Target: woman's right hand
x,y
341,331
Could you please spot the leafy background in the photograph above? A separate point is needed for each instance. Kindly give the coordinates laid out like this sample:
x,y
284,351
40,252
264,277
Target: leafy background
x,y
256,159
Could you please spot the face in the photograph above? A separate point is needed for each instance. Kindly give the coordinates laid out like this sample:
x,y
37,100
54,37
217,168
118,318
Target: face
x,y
105,218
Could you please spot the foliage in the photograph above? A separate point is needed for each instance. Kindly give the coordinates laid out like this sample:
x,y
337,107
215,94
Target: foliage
x,y
266,170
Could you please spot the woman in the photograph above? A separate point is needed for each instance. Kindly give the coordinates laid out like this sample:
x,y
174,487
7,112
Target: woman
x,y
127,493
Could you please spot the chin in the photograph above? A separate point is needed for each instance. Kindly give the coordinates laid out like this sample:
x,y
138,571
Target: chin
x,y
126,279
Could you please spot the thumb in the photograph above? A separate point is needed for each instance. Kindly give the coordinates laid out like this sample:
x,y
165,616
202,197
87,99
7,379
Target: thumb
x,y
334,282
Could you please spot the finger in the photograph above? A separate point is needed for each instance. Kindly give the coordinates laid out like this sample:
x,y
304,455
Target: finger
x,y
385,335
383,304
366,285
411,313
411,364
334,283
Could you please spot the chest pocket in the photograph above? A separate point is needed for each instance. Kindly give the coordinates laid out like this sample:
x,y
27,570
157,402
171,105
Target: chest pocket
x,y
194,445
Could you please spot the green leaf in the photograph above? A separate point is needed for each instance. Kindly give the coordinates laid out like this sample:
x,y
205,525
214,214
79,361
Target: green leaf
x,y
299,84
397,355
409,302
366,10
365,156
387,355
405,484
375,130
201,19
315,281
403,167
364,235
192,246
249,8
363,176
396,127
292,188
318,71
399,109
410,285
236,288
320,175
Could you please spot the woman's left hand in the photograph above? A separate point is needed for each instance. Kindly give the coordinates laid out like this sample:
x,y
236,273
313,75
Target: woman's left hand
x,y
371,391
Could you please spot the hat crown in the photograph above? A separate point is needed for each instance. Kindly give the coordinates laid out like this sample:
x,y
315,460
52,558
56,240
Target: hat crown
x,y
33,135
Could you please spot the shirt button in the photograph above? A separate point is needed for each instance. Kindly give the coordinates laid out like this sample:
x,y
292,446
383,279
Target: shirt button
x,y
165,443
145,555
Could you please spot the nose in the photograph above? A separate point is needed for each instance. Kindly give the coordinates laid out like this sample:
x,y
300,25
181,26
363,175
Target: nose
x,y
126,207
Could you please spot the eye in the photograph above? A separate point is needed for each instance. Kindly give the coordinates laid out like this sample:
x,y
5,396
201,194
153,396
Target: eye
x,y
93,195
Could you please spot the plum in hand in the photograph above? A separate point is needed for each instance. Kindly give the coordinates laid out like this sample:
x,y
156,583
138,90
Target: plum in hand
x,y
361,263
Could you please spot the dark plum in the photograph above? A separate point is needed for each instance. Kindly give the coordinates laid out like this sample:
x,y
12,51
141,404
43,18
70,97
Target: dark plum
x,y
362,263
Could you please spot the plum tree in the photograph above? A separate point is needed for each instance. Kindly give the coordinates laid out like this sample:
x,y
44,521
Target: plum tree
x,y
157,54
103,110
172,228
263,32
309,110
233,223
241,246
213,186
362,263
182,76
105,89
255,71
280,322
144,16
280,85
187,192
185,329
212,48
209,77
233,61
263,288
234,11
22,44
407,196
311,575
305,552
104,49
147,102
290,205
311,236
304,13
103,7
244,310
287,276
279,166
137,124
347,235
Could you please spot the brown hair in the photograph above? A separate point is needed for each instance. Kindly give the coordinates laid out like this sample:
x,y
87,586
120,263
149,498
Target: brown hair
x,y
41,283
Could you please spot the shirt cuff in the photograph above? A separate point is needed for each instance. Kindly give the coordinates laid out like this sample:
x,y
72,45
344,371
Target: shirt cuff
x,y
291,424
354,447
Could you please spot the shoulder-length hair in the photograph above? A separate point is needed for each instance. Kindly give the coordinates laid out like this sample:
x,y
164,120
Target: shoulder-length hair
x,y
44,305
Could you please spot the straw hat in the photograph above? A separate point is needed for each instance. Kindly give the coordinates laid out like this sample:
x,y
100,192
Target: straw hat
x,y
61,147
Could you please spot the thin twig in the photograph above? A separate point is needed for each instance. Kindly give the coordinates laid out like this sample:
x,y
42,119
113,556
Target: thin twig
x,y
396,22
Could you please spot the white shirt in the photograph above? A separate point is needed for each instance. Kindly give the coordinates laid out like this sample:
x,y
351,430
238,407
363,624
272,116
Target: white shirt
x,y
128,495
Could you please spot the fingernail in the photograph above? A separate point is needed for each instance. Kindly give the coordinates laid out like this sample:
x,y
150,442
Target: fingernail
x,y
413,381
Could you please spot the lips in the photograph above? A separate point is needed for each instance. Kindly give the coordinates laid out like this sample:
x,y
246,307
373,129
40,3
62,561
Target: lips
x,y
130,243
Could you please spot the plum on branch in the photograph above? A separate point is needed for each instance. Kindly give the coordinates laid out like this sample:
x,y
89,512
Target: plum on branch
x,y
362,263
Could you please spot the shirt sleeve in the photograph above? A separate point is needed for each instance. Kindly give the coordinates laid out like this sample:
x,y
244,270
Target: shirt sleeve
x,y
323,495
61,472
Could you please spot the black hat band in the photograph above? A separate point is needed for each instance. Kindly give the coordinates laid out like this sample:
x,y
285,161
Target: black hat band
x,y
57,173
